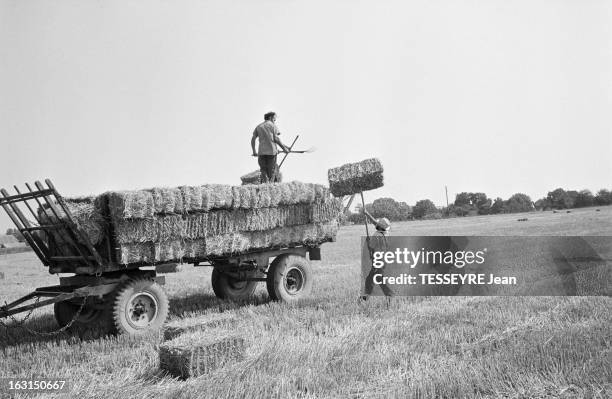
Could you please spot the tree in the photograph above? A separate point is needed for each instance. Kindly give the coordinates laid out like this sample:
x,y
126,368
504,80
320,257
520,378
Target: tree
x,y
423,207
405,211
561,199
603,197
542,204
584,198
519,202
462,199
384,208
459,210
499,206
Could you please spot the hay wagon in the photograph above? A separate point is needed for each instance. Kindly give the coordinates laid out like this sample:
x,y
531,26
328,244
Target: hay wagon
x,y
106,296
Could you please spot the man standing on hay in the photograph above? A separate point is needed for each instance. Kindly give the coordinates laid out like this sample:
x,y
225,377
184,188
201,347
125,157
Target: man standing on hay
x,y
267,133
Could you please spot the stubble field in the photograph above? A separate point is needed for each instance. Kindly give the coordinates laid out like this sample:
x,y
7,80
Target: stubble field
x,y
333,345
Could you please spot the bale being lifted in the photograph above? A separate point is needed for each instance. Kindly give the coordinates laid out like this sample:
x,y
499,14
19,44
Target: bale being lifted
x,y
353,178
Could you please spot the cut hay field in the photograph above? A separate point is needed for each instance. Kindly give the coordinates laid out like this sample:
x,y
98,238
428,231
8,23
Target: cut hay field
x,y
333,346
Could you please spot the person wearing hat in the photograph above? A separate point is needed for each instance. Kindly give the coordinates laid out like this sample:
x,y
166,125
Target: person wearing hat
x,y
377,242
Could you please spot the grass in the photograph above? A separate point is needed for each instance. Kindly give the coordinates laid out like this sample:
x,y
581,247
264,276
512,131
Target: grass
x,y
331,345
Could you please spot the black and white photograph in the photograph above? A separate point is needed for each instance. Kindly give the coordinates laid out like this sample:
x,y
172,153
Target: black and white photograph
x,y
306,199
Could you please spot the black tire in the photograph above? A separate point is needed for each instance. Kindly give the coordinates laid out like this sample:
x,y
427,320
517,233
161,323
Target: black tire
x,y
140,306
91,321
289,278
226,287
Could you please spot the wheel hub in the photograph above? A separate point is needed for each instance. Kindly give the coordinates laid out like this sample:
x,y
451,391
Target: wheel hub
x,y
141,310
294,280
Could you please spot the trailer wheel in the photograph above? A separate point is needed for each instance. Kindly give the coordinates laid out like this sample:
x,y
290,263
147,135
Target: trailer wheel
x,y
289,278
91,322
65,311
227,287
140,306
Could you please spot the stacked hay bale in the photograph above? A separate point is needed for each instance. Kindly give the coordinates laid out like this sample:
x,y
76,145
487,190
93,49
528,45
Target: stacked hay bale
x,y
255,177
87,213
162,225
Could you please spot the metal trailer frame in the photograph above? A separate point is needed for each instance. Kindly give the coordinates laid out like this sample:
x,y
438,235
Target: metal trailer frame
x,y
97,276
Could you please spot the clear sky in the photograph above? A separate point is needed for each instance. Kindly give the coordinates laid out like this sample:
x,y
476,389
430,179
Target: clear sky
x,y
495,96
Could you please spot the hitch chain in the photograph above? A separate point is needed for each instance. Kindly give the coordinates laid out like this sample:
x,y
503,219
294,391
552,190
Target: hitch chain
x,y
21,323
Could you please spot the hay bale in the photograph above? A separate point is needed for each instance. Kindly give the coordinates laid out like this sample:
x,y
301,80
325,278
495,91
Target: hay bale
x,y
198,353
223,221
244,197
200,323
192,198
195,248
150,252
130,204
251,178
255,177
167,200
157,228
135,253
326,211
356,177
87,213
173,250
240,242
216,196
196,225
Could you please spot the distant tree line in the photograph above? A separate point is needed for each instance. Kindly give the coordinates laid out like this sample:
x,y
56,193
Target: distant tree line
x,y
469,204
561,199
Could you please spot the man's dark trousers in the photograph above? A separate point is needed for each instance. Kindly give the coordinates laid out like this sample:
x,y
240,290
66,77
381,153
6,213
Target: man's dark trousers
x,y
267,165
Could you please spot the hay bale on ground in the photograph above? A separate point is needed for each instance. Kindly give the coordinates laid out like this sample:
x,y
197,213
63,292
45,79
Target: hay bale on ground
x,y
195,354
200,323
353,178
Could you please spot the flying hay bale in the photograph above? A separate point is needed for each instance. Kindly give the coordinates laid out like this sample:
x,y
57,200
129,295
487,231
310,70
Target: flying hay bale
x,y
200,323
198,353
353,178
